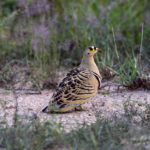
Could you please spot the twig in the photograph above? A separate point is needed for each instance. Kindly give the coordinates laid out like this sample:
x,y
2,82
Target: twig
x,y
141,51
104,86
110,69
116,50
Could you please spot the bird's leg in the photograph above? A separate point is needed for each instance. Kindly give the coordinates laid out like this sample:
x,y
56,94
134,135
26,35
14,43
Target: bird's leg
x,y
79,108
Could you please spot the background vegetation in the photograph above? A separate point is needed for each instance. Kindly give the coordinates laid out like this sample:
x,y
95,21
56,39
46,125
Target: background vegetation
x,y
39,36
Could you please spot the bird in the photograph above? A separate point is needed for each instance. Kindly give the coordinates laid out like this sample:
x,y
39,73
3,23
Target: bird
x,y
79,85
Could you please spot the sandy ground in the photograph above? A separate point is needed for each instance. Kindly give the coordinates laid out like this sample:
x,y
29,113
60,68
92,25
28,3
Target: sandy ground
x,y
30,104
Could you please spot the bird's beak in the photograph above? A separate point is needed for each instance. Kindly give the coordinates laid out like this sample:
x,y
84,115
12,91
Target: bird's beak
x,y
97,49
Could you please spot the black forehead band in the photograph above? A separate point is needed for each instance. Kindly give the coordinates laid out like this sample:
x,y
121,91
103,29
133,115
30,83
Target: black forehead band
x,y
94,47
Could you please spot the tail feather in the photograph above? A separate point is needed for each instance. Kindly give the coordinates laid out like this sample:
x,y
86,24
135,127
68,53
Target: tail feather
x,y
45,109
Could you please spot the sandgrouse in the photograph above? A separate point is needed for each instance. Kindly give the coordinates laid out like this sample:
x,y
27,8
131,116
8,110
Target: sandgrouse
x,y
79,85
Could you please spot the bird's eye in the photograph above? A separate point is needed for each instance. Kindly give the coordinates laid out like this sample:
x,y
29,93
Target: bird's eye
x,y
91,49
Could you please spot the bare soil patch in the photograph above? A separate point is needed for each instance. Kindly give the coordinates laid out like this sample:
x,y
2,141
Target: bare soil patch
x,y
107,101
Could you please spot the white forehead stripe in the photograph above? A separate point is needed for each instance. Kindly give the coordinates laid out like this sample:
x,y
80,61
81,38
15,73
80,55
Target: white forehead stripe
x,y
92,46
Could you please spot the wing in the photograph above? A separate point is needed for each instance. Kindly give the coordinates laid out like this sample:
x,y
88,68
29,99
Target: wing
x,y
74,89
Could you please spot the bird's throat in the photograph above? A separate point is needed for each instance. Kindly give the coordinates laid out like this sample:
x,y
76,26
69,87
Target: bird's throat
x,y
89,63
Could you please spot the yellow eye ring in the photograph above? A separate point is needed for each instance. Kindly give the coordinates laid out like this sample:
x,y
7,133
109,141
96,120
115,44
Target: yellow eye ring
x,y
91,49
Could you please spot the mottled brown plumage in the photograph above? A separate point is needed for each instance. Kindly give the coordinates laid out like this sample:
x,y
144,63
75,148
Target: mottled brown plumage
x,y
78,87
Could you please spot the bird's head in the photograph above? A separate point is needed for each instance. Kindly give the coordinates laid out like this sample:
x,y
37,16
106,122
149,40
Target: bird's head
x,y
90,51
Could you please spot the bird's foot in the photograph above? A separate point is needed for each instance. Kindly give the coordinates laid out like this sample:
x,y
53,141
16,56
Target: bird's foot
x,y
79,108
